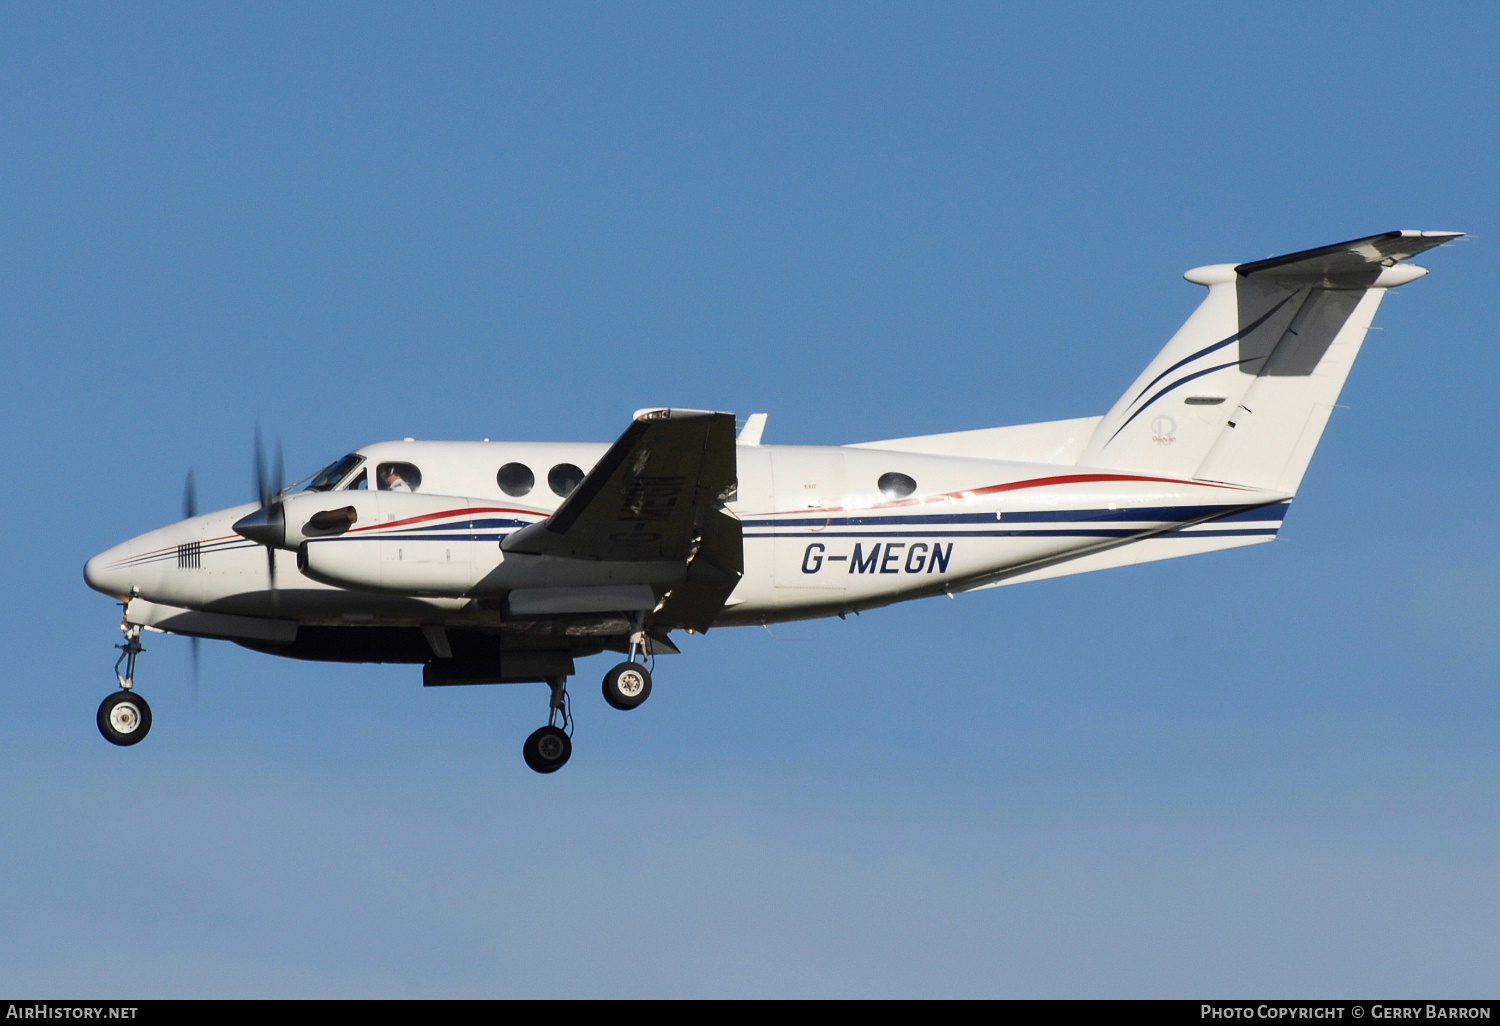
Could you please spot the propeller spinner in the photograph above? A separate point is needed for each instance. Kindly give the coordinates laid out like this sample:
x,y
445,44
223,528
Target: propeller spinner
x,y
267,525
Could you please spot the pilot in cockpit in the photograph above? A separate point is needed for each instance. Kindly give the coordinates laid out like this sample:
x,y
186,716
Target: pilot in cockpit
x,y
398,477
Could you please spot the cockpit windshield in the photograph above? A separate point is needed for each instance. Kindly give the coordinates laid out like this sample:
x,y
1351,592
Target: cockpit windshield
x,y
329,477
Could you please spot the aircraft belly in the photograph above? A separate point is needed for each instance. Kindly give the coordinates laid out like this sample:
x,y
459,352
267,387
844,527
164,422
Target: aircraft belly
x,y
179,620
309,602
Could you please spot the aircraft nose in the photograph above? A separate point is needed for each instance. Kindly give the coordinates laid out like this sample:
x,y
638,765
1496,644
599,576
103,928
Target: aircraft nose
x,y
110,572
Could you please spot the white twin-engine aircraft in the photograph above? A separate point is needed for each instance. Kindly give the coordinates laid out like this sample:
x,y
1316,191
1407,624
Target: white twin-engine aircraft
x,y
503,562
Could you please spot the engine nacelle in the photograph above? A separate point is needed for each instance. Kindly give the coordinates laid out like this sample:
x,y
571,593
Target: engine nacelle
x,y
399,542
437,545
389,565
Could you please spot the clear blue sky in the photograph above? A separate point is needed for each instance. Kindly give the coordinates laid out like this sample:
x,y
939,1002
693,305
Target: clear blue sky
x,y
1270,771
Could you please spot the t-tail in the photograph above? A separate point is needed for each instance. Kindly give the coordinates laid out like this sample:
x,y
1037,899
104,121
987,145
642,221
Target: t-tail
x,y
1242,392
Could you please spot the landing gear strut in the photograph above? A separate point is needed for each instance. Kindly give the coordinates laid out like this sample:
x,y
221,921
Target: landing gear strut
x,y
547,750
124,718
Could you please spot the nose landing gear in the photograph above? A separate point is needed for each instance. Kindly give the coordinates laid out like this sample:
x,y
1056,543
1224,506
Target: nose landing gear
x,y
124,718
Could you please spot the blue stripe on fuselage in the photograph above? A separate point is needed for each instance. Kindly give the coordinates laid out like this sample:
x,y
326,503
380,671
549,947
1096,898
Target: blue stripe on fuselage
x,y
1102,532
1149,514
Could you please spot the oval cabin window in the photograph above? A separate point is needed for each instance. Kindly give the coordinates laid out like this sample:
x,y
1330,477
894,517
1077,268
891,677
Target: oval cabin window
x,y
563,478
896,486
515,479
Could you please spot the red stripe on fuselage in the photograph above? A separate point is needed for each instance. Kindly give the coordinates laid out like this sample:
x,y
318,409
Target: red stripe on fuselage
x,y
1042,482
448,513
1011,486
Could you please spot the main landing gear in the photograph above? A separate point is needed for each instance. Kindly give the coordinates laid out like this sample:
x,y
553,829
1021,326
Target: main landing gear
x,y
547,750
625,686
629,684
124,717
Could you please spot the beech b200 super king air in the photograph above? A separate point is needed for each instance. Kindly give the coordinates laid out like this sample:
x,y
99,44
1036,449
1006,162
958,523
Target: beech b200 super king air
x,y
498,562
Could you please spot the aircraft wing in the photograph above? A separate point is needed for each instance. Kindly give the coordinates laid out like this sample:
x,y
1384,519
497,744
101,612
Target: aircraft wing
x,y
657,496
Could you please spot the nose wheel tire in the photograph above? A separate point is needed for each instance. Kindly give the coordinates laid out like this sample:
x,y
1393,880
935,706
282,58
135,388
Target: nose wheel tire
x,y
627,685
124,718
547,750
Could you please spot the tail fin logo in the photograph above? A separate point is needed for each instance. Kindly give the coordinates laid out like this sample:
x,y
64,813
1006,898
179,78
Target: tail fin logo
x,y
1163,431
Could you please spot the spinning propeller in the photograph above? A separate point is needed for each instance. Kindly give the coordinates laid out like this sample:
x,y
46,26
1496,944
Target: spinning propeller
x,y
191,510
266,525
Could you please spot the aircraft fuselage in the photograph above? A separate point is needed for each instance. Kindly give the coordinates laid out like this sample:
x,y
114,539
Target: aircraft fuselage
x,y
821,537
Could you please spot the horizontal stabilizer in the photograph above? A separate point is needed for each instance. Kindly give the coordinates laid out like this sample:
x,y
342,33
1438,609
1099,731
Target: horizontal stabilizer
x,y
1356,263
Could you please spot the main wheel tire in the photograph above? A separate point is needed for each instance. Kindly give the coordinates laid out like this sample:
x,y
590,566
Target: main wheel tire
x,y
124,718
547,750
627,685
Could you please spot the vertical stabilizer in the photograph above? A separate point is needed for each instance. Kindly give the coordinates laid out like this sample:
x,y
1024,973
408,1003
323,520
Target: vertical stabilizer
x,y
1268,438
1242,392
